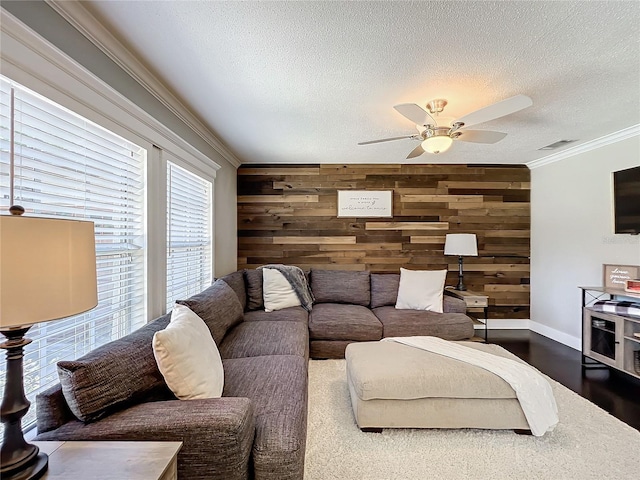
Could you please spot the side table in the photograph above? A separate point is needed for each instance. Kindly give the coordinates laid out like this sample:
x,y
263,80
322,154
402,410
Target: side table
x,y
108,460
476,303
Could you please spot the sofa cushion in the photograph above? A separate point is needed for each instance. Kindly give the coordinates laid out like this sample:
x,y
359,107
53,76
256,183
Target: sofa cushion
x,y
384,289
291,314
333,321
253,280
421,289
118,374
218,306
236,281
188,357
407,323
337,286
277,388
253,339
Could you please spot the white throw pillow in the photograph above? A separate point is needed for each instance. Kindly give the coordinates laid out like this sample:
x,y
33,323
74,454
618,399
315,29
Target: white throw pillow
x,y
277,291
421,290
187,356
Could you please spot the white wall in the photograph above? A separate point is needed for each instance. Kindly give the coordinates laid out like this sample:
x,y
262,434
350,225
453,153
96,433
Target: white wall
x,y
572,235
226,222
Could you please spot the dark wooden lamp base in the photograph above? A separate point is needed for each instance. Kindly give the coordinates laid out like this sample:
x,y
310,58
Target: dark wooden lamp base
x,y
19,460
460,285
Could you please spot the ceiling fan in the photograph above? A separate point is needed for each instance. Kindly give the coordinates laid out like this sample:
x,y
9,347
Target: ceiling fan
x,y
435,138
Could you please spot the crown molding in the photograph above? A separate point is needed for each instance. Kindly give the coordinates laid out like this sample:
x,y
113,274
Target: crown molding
x,y
83,21
615,137
29,59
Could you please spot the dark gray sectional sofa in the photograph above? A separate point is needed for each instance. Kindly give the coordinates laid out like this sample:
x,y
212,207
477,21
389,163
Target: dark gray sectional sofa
x,y
360,307
257,430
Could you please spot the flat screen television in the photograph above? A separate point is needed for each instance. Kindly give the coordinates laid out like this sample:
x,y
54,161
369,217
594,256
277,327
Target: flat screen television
x,y
626,200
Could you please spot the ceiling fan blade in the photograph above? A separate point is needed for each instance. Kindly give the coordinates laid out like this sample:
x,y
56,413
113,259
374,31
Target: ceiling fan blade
x,y
416,114
480,136
387,139
497,110
416,152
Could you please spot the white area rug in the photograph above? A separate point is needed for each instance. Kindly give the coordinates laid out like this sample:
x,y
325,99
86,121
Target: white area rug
x,y
587,444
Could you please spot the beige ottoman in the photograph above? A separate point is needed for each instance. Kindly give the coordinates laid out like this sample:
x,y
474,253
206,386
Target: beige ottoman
x,y
397,386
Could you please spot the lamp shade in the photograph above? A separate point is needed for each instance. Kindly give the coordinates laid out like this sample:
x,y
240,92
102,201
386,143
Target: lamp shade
x,y
47,269
462,244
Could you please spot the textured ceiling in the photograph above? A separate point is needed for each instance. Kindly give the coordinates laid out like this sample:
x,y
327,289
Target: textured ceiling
x,y
304,82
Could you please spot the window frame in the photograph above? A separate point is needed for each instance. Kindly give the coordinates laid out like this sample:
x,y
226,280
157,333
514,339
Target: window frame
x,y
208,269
31,61
58,164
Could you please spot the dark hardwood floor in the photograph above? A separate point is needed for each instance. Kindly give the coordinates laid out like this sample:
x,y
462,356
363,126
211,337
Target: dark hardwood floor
x,y
613,391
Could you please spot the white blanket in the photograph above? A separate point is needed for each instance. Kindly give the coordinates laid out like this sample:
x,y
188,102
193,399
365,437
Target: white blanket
x,y
532,389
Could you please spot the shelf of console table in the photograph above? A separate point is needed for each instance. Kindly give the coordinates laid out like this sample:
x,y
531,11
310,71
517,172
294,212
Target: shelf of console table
x,y
109,460
612,292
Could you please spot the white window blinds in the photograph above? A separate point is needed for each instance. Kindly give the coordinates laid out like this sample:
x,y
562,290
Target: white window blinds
x,y
66,166
189,255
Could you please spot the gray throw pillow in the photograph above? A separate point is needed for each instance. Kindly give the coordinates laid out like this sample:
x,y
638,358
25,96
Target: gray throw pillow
x,y
118,374
218,306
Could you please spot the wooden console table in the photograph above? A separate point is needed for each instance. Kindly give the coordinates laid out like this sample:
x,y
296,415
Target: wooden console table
x,y
111,460
610,339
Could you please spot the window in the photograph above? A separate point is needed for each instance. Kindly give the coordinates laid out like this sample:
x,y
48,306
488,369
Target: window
x,y
189,255
68,167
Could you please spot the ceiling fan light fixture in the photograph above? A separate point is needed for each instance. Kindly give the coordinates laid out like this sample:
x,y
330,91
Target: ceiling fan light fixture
x,y
437,141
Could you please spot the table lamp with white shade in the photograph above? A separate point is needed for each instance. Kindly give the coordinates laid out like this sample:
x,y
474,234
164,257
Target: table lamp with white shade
x,y
462,245
47,272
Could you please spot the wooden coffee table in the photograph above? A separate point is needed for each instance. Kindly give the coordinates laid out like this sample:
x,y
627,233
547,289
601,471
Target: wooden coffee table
x,y
111,460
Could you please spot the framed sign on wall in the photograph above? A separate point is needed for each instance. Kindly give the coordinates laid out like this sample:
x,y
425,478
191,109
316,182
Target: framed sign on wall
x,y
365,203
616,276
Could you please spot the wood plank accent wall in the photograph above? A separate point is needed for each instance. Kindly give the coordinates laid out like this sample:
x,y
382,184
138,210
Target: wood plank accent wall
x,y
288,214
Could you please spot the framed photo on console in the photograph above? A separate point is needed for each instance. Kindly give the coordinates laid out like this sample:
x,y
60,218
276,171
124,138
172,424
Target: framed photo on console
x,y
616,276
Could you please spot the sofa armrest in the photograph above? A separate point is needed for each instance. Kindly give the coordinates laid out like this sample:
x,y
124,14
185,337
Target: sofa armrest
x,y
453,304
217,433
52,410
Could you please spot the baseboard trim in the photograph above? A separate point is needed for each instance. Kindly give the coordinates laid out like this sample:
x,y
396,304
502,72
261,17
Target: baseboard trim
x,y
558,336
506,324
